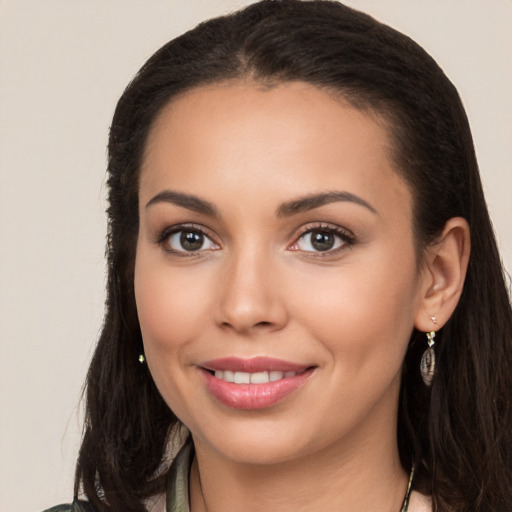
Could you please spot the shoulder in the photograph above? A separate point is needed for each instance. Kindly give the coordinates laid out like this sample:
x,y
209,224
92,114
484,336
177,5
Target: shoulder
x,y
76,506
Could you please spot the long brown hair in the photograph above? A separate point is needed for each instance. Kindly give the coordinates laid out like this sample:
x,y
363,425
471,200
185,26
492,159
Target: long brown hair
x,y
458,433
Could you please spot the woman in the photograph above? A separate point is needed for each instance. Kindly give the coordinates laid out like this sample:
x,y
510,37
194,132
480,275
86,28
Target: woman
x,y
305,296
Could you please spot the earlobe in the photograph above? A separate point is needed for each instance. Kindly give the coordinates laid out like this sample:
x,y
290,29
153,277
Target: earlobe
x,y
446,262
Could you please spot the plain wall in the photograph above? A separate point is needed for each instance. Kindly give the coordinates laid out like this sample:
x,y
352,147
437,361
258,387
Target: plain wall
x,y
63,64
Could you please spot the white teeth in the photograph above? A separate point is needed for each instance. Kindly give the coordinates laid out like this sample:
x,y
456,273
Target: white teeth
x,y
242,378
276,376
227,375
259,378
252,378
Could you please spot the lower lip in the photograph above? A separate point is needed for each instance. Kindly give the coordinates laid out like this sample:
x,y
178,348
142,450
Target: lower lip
x,y
254,396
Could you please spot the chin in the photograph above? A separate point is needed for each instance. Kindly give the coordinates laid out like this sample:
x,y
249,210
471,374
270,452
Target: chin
x,y
262,442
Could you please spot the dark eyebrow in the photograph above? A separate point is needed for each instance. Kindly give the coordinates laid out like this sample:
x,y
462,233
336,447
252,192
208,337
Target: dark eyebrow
x,y
185,201
316,200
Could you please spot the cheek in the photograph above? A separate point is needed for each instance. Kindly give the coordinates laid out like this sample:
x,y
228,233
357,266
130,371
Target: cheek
x,y
364,313
169,311
170,307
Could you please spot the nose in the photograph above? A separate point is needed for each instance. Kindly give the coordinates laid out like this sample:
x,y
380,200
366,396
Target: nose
x,y
251,299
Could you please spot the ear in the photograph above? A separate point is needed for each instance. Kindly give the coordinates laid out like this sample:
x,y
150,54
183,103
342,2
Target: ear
x,y
444,270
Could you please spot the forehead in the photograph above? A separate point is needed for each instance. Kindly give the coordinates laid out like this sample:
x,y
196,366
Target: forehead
x,y
292,137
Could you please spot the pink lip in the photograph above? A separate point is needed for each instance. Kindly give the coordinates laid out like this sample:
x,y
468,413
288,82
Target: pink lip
x,y
253,396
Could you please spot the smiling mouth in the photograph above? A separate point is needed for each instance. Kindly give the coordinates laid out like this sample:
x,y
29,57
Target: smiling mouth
x,y
255,383
253,378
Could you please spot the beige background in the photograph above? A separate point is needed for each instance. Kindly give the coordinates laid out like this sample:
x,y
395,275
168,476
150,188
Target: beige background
x,y
63,64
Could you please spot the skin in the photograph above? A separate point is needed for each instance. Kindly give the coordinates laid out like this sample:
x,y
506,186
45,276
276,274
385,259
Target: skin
x,y
257,287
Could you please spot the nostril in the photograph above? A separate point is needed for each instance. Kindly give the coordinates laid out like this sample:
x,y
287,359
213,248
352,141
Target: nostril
x,y
257,325
263,324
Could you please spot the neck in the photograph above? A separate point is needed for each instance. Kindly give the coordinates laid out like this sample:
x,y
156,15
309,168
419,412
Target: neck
x,y
344,477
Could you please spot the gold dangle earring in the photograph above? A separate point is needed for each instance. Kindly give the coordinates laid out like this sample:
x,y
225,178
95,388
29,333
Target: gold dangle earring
x,y
428,360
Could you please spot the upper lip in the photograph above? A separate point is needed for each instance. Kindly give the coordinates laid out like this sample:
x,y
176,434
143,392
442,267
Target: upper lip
x,y
253,365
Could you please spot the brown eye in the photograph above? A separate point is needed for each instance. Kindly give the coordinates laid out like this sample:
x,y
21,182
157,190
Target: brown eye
x,y
319,240
322,240
189,240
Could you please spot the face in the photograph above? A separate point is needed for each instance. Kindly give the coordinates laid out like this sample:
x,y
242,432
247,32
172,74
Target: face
x,y
276,277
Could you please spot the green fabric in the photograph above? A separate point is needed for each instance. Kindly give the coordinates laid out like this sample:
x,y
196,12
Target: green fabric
x,y
177,489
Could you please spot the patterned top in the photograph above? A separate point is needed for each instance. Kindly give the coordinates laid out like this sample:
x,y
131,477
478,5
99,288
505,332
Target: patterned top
x,y
177,490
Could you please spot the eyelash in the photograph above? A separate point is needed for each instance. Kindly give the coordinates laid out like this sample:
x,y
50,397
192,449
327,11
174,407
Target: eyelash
x,y
346,237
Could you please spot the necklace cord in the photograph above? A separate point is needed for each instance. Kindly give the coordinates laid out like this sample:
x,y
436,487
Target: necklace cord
x,y
405,504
